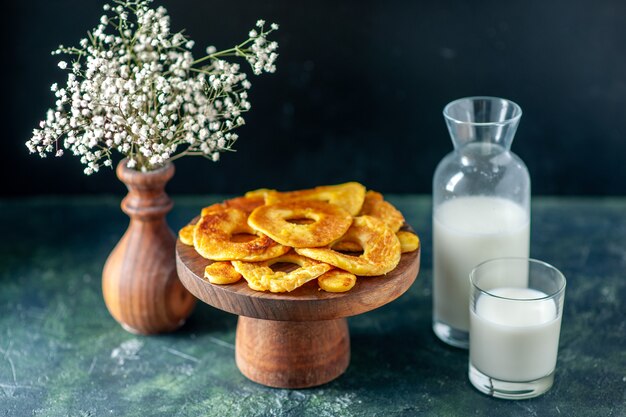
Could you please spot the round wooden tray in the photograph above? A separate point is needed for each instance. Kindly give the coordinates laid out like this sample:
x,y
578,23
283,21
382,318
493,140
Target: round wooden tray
x,y
297,339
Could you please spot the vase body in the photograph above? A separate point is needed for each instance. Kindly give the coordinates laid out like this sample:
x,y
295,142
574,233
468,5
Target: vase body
x,y
139,282
481,206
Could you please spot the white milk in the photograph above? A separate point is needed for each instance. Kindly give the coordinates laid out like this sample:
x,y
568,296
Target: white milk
x,y
514,340
466,232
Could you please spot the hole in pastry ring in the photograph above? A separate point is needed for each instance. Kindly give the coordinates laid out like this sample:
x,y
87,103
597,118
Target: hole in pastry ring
x,y
213,235
346,246
261,277
221,273
381,249
348,196
330,222
336,280
375,205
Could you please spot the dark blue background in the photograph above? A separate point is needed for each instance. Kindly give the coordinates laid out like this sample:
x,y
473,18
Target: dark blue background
x,y
359,91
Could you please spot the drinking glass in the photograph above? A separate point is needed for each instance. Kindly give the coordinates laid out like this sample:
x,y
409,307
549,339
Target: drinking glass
x,y
516,305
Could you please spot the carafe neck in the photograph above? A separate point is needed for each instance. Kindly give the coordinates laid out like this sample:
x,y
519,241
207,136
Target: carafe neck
x,y
486,120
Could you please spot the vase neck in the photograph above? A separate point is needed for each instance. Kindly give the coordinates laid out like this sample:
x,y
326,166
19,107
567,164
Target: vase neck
x,y
488,120
146,198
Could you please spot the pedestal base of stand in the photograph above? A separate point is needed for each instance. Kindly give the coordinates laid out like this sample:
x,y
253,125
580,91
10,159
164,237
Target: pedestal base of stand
x,y
288,354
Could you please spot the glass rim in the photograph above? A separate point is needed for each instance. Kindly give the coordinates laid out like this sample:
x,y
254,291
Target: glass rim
x,y
554,294
517,111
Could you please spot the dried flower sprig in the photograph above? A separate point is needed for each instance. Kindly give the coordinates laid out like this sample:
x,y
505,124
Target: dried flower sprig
x,y
136,88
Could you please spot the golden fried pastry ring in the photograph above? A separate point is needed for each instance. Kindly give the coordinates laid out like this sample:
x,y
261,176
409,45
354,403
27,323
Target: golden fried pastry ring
x,y
381,249
409,242
260,192
186,234
221,273
261,277
330,222
375,206
213,238
348,196
336,280
246,204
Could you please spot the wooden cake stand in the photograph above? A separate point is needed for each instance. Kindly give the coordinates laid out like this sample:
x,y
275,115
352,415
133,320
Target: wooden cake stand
x,y
298,339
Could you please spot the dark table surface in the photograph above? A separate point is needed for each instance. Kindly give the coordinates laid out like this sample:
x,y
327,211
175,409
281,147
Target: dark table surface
x,y
61,354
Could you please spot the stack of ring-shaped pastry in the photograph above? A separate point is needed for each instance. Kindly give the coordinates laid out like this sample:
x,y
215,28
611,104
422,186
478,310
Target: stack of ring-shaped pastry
x,y
337,233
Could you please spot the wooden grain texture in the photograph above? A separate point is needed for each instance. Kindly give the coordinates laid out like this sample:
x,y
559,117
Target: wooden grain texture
x,y
285,354
139,282
306,303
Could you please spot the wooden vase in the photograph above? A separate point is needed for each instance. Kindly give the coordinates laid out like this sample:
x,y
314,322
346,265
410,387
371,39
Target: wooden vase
x,y
139,282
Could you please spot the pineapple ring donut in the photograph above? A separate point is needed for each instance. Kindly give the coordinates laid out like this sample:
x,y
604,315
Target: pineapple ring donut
x,y
349,196
186,234
213,238
221,273
246,204
376,206
260,192
336,280
261,277
409,242
330,222
381,249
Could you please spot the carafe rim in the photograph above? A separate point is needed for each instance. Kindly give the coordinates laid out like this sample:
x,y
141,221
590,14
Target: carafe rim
x,y
517,111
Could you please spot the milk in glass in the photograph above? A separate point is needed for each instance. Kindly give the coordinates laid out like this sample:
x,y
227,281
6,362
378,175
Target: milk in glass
x,y
466,232
513,340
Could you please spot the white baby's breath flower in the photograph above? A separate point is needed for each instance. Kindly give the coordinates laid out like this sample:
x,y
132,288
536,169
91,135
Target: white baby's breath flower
x,y
135,88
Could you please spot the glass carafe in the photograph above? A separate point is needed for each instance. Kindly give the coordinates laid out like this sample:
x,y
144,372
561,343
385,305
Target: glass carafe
x,y
481,206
